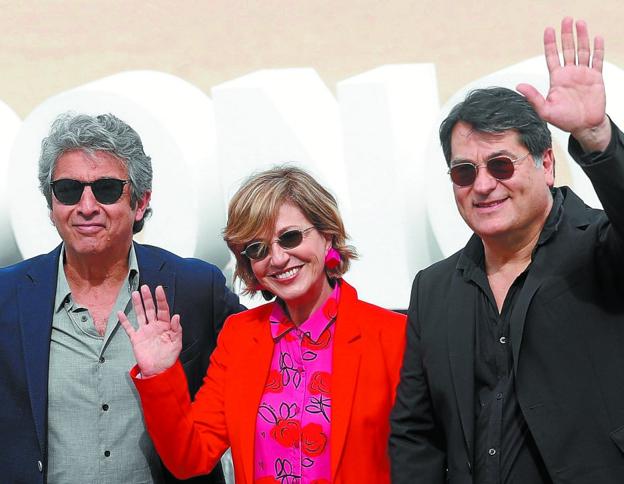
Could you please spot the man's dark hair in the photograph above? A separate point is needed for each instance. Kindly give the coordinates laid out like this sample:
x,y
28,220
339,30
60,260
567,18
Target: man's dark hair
x,y
494,110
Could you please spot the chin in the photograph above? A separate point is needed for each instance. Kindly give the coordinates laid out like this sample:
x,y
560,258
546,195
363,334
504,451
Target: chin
x,y
490,227
290,295
287,296
87,249
492,232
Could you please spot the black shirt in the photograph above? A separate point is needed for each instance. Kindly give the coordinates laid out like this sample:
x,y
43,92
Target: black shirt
x,y
505,451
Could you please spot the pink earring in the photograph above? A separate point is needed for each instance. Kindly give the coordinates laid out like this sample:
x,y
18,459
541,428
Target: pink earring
x,y
332,259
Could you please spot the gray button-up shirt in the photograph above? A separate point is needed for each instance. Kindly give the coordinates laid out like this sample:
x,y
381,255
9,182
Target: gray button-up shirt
x,y
96,432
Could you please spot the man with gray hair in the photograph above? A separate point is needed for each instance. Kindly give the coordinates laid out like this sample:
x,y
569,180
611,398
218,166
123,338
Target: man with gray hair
x,y
68,410
513,367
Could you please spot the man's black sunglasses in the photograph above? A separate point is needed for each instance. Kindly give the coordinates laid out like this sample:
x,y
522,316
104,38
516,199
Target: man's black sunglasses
x,y
105,190
288,240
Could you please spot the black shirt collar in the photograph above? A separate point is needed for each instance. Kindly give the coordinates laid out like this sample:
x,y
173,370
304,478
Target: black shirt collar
x,y
473,257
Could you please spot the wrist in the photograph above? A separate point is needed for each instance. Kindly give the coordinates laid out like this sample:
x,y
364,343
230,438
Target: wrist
x,y
150,372
595,138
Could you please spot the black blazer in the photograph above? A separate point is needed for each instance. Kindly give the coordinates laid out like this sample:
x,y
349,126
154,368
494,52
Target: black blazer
x,y
567,337
195,289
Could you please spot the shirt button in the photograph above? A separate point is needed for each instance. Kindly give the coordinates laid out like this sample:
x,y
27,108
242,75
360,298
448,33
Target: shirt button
x,y
102,360
502,340
105,407
499,396
40,466
492,451
107,453
83,319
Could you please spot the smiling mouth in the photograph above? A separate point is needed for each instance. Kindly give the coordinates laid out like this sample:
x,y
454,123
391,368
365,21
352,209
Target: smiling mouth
x,y
88,227
491,204
286,274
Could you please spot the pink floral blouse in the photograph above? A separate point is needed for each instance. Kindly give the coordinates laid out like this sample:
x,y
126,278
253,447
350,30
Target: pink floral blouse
x,y
293,423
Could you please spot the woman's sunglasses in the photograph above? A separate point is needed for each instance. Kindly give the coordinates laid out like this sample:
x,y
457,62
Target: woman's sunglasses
x,y
288,240
500,167
105,190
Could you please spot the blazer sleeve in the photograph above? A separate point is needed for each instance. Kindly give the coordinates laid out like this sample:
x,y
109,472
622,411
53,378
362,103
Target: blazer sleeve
x,y
417,450
606,172
190,437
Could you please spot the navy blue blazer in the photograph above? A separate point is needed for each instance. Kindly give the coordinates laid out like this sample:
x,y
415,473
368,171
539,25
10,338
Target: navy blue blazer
x,y
195,289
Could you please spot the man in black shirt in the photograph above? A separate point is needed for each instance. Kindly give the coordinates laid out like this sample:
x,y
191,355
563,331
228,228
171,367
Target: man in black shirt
x,y
514,368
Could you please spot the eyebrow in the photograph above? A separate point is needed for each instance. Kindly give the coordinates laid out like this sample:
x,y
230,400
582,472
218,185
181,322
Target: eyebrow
x,y
288,228
494,154
279,234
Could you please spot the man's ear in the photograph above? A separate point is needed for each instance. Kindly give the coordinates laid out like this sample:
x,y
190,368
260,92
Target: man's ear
x,y
548,165
142,205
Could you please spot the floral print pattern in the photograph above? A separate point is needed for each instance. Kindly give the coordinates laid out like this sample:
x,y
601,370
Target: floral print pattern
x,y
294,416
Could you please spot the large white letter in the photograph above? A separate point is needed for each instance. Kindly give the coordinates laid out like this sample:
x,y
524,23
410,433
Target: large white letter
x,y
175,122
387,115
10,122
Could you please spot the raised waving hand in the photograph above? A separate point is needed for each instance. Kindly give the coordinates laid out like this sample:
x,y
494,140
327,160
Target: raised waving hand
x,y
576,98
157,341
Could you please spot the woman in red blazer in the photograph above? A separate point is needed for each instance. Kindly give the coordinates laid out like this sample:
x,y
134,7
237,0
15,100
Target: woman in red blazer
x,y
300,388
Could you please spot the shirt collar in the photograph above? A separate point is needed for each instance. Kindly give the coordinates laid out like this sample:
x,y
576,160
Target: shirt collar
x,y
472,257
63,291
554,218
312,327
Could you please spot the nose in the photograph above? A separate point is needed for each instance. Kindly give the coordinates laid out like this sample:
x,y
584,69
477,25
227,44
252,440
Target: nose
x,y
484,182
279,256
88,205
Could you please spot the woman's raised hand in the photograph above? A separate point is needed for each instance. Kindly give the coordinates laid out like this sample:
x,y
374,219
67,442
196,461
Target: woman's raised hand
x,y
157,341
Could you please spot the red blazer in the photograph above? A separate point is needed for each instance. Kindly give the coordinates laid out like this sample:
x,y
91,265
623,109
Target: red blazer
x,y
368,350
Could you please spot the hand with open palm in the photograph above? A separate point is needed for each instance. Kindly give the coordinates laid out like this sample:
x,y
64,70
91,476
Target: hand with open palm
x,y
576,98
157,341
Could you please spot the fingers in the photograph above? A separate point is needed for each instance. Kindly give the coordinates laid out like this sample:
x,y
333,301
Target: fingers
x,y
571,55
145,306
161,302
584,52
567,42
137,304
533,96
176,327
550,49
123,320
582,38
598,53
148,302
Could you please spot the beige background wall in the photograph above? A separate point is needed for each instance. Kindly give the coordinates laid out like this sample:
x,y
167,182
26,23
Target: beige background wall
x,y
49,46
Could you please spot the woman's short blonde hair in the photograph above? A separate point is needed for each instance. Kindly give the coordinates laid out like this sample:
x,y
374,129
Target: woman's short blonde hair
x,y
253,210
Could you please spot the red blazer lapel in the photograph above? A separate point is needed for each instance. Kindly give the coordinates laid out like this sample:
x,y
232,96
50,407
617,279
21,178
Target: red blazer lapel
x,y
345,373
251,374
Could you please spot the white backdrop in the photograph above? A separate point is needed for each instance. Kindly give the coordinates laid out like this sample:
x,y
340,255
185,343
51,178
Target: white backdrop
x,y
374,145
